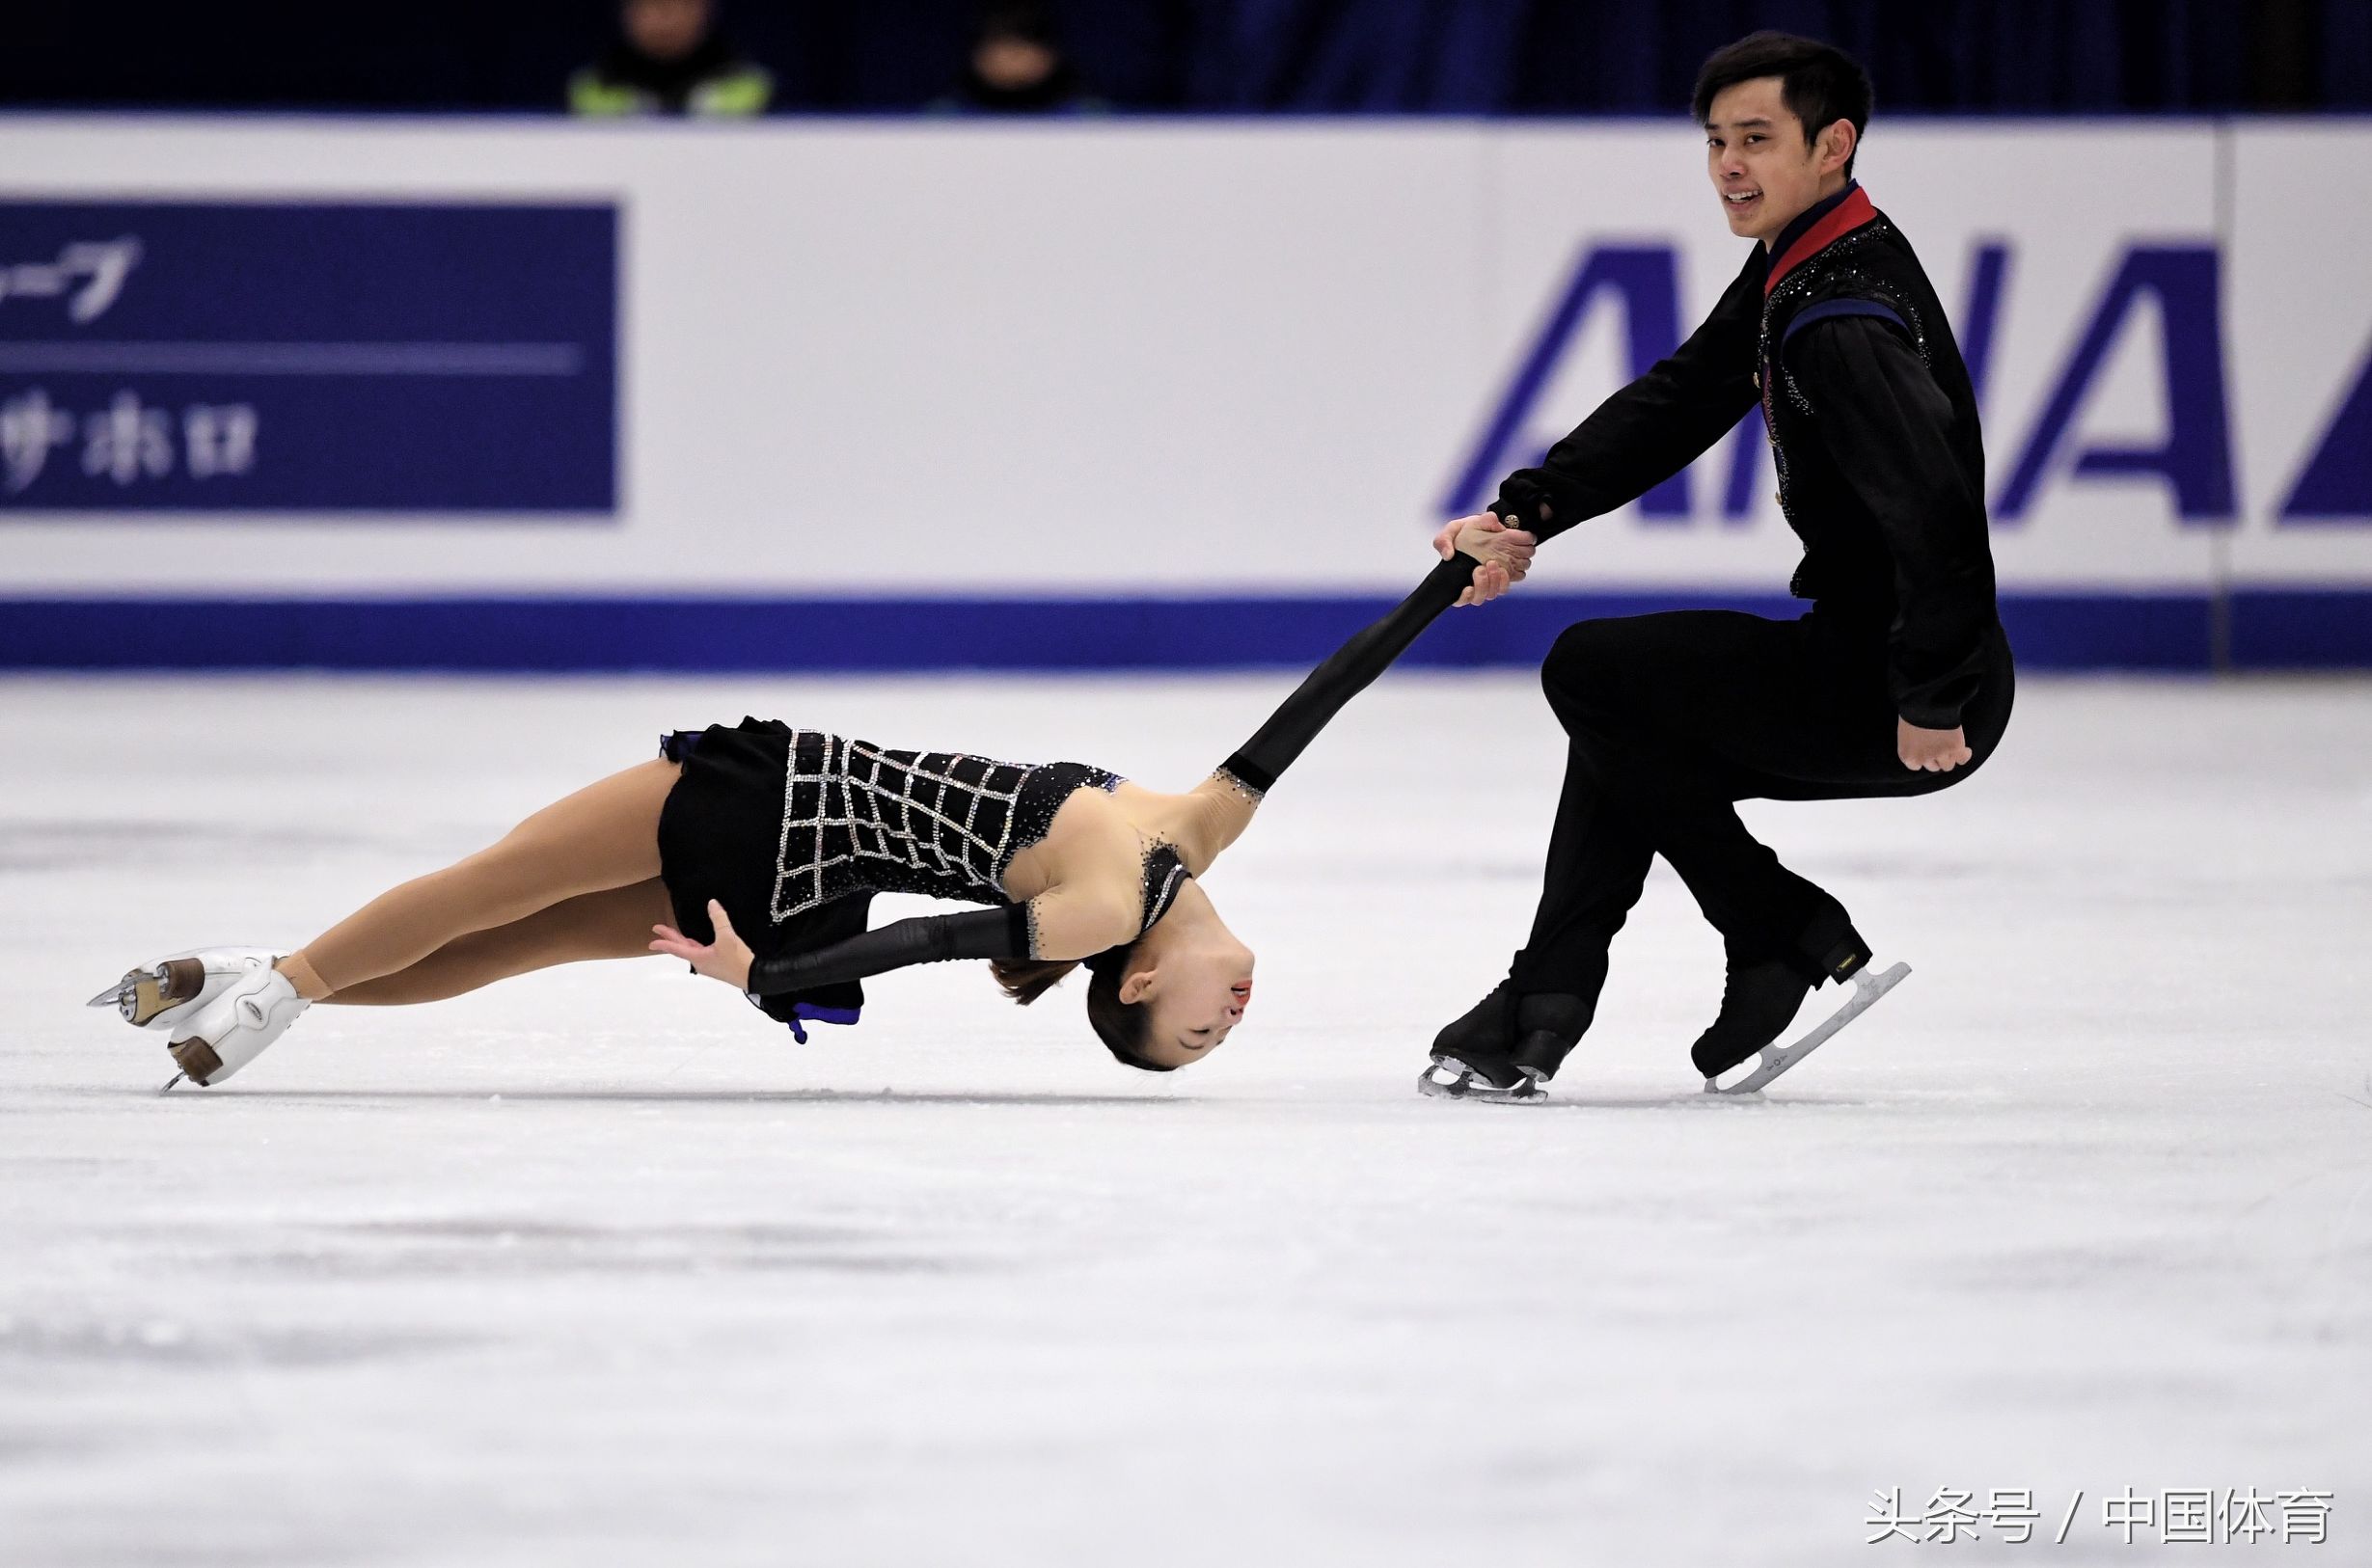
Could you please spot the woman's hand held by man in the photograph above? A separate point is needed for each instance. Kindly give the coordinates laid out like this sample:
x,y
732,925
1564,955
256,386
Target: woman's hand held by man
x,y
1505,554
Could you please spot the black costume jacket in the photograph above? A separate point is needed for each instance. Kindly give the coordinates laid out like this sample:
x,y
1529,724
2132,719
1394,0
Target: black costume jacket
x,y
1874,428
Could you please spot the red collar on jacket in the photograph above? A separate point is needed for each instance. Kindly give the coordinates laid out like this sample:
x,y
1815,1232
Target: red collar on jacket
x,y
1819,226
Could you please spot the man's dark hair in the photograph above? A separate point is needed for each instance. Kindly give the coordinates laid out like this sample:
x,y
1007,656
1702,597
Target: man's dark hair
x,y
1820,83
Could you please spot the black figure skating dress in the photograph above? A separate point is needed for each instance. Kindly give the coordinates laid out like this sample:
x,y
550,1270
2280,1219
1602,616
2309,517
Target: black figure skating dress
x,y
794,830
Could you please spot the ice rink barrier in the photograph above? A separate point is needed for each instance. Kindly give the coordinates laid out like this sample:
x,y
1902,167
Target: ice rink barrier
x,y
867,395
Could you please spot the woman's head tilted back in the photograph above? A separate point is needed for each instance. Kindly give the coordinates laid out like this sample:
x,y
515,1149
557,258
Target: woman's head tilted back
x,y
1165,1000
1122,1026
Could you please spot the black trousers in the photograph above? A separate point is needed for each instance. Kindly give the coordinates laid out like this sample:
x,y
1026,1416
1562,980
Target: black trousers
x,y
1675,717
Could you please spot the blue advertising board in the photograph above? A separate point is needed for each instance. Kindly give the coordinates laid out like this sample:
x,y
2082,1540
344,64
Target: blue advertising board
x,y
312,357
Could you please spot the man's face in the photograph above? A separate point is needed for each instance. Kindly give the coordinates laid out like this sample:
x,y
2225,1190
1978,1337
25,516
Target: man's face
x,y
1764,170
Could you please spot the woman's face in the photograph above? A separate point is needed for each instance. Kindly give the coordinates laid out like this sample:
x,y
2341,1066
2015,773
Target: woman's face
x,y
1195,996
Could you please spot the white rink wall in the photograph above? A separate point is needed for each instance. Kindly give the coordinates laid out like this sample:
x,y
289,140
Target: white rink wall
x,y
1198,361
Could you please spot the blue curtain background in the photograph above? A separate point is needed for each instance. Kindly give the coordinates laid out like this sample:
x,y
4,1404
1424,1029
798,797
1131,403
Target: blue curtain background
x,y
1512,57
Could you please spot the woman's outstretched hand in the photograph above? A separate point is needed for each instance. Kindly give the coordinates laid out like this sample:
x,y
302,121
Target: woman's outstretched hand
x,y
726,959
1506,553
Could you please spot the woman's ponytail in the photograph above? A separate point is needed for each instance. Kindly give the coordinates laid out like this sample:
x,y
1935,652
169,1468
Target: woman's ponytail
x,y
1026,980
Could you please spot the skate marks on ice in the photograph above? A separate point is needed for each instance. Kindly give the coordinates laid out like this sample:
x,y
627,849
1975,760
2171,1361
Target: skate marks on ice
x,y
69,843
1387,1093
170,1340
468,1251
660,1096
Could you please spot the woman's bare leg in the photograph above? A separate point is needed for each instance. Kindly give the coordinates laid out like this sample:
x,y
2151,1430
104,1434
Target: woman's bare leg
x,y
613,924
604,836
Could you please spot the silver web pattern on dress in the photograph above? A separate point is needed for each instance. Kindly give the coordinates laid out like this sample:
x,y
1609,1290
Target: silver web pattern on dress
x,y
853,813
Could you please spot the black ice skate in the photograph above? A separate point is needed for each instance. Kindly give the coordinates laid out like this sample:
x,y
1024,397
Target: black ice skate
x,y
1505,1047
1759,1000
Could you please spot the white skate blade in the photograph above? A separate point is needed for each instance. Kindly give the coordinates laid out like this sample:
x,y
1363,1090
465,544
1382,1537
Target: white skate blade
x,y
112,995
1867,987
164,994
140,996
1448,1078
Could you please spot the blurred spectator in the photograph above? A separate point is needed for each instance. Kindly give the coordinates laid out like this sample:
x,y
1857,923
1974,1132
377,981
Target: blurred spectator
x,y
671,59
1018,67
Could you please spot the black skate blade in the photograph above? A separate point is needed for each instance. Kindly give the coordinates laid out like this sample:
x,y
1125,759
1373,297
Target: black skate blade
x,y
1867,987
1446,1077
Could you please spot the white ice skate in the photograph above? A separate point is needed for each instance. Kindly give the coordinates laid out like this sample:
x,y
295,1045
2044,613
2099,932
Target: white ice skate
x,y
166,994
1776,1059
233,1029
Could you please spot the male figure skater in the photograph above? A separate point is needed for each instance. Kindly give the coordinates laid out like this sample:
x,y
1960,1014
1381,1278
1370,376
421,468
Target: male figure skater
x,y
1898,682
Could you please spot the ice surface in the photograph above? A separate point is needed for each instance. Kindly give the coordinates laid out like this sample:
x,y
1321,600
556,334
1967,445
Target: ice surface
x,y
598,1266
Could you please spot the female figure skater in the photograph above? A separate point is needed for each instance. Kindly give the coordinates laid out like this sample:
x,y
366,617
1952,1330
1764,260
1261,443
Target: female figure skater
x,y
753,852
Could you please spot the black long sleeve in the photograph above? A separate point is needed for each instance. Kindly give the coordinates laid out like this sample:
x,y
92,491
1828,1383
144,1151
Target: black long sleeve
x,y
975,933
1348,671
1005,933
1663,421
1888,427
